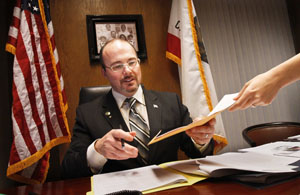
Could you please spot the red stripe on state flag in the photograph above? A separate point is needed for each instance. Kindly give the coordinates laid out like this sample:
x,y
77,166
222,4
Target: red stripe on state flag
x,y
173,45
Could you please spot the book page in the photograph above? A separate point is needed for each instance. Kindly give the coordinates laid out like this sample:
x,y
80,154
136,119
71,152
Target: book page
x,y
140,179
225,103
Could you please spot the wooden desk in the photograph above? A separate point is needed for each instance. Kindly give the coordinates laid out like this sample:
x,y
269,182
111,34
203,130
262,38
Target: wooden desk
x,y
82,185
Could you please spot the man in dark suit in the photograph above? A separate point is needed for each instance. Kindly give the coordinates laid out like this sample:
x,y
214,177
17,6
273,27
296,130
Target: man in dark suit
x,y
102,124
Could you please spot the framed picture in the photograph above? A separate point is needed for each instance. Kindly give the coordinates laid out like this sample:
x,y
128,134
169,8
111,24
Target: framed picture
x,y
103,28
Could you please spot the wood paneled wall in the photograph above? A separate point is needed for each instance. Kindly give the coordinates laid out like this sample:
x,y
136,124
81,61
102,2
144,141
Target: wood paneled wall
x,y
69,21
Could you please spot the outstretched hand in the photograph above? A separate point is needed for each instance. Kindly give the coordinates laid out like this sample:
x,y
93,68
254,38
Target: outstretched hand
x,y
259,91
110,145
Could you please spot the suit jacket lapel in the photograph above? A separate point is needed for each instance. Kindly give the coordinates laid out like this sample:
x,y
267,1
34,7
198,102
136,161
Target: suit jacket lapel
x,y
112,113
154,112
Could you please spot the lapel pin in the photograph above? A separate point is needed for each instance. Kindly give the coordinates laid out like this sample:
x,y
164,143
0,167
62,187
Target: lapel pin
x,y
108,114
155,106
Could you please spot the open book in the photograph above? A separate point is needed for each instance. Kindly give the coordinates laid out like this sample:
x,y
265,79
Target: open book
x,y
225,103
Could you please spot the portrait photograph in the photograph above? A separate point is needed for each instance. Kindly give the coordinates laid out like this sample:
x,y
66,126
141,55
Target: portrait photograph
x,y
108,31
103,28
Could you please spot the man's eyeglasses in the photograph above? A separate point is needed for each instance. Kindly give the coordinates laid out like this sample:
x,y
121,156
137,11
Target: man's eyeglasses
x,y
120,67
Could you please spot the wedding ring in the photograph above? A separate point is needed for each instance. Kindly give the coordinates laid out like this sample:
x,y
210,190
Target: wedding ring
x,y
206,136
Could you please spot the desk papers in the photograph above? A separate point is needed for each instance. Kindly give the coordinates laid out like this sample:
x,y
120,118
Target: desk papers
x,y
234,163
280,148
263,164
225,103
257,165
147,179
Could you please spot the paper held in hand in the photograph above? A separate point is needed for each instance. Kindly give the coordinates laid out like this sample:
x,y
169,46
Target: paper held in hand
x,y
225,103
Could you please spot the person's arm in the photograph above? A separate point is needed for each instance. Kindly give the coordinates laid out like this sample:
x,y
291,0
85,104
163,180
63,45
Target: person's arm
x,y
262,89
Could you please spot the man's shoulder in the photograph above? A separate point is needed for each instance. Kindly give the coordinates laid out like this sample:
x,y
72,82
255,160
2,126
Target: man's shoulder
x,y
92,104
162,95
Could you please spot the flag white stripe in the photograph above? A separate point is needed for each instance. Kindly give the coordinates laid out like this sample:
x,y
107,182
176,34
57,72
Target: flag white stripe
x,y
55,55
13,32
23,95
20,144
50,29
17,12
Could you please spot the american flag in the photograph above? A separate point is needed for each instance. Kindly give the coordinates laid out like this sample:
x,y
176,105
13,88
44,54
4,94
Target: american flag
x,y
39,103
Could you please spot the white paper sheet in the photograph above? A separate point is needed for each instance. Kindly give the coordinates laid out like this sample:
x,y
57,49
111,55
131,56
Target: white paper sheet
x,y
224,103
141,179
287,149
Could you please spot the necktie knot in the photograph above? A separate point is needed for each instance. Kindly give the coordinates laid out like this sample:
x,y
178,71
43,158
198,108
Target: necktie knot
x,y
131,101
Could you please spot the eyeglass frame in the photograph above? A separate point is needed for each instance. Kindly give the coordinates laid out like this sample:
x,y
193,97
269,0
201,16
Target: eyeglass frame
x,y
123,65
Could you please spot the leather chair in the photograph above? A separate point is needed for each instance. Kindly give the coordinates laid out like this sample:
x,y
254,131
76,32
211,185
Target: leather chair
x,y
270,132
88,94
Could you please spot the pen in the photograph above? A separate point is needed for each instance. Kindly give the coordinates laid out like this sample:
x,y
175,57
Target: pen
x,y
122,140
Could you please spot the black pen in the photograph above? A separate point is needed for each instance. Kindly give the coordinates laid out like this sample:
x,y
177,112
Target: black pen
x,y
122,140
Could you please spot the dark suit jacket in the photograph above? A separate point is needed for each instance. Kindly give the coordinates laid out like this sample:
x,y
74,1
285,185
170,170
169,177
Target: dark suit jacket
x,y
94,119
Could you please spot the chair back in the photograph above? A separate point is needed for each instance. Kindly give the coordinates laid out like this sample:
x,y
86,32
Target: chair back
x,y
270,132
88,94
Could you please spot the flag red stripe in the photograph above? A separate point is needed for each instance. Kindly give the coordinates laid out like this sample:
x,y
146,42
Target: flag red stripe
x,y
14,158
173,45
41,167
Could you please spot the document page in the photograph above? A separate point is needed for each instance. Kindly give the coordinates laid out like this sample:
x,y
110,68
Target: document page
x,y
233,163
280,148
225,103
141,179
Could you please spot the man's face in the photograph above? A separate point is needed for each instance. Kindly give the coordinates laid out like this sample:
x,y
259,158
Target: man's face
x,y
123,27
108,27
128,80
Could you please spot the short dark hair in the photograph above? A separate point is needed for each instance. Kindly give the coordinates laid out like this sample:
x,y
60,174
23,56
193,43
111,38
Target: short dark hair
x,y
102,49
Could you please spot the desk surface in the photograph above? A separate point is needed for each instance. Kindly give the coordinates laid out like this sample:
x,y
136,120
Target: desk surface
x,y
207,187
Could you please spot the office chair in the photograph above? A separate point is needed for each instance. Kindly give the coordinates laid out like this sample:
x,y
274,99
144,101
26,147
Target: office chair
x,y
88,94
270,132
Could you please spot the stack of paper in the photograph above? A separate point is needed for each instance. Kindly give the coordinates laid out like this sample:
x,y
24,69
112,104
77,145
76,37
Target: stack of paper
x,y
257,164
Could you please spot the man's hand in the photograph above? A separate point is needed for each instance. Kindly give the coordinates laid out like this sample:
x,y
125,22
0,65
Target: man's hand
x,y
202,134
110,146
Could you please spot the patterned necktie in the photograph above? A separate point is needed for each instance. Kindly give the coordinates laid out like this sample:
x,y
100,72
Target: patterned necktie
x,y
139,125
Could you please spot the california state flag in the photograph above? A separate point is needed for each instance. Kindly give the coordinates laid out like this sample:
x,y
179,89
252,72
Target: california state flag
x,y
186,48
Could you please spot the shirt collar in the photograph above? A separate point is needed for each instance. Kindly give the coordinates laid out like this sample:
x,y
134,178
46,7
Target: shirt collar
x,y
139,96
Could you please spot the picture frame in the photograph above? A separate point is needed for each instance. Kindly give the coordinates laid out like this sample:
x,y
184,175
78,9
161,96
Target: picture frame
x,y
102,28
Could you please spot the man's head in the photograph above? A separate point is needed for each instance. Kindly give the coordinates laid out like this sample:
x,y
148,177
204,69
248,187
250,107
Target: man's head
x,y
123,79
123,27
108,27
113,34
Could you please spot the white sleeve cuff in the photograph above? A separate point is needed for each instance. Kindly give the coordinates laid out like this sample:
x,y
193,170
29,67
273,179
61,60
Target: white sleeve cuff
x,y
201,148
95,160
